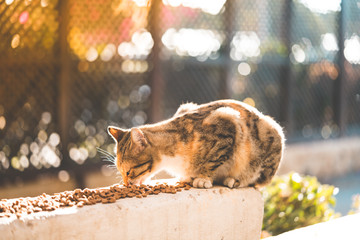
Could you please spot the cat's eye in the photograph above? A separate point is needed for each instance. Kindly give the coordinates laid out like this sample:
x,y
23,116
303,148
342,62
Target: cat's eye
x,y
128,173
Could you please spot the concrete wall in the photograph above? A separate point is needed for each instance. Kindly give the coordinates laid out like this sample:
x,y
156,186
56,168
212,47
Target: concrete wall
x,y
324,159
217,213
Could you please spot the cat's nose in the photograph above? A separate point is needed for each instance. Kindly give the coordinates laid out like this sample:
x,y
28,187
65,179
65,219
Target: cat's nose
x,y
134,182
126,180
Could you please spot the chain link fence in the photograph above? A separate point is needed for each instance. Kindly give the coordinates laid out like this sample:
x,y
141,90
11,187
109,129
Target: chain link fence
x,y
68,69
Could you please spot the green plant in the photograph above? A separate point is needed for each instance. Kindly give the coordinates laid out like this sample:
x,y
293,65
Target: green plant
x,y
294,201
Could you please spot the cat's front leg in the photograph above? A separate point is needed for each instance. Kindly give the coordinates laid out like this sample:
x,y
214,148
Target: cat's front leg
x,y
231,182
203,182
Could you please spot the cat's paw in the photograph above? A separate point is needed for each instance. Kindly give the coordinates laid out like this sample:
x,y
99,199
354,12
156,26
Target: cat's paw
x,y
231,182
202,183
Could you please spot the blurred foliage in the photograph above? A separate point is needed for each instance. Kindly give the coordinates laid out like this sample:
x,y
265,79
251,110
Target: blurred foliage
x,y
355,207
293,201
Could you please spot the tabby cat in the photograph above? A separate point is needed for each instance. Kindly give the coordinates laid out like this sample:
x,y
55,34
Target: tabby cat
x,y
224,142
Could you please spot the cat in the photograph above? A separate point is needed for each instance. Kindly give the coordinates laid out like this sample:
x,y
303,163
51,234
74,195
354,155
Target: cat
x,y
224,142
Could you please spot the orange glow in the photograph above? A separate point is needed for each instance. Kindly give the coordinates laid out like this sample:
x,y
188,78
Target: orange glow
x,y
91,39
323,68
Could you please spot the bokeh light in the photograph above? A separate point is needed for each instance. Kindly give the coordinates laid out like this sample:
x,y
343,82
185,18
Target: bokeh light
x,y
352,49
91,54
139,47
322,6
192,42
64,176
245,45
298,54
209,6
249,101
244,69
24,17
15,42
2,122
329,42
8,2
108,53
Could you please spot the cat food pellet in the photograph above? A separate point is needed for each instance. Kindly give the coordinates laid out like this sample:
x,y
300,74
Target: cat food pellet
x,y
130,195
37,209
22,206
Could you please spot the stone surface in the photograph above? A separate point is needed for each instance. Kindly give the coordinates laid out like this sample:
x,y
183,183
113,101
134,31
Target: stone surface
x,y
324,159
216,213
341,228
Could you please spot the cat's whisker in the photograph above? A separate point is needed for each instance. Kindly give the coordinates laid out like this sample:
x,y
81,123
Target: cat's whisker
x,y
104,152
109,159
106,156
112,167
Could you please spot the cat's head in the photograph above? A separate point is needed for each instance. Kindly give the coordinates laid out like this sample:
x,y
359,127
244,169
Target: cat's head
x,y
133,157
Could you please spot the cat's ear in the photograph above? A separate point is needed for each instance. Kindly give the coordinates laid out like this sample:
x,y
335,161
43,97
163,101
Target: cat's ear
x,y
116,133
138,138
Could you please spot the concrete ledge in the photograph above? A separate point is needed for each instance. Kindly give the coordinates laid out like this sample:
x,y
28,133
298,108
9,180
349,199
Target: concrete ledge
x,y
217,213
324,159
342,228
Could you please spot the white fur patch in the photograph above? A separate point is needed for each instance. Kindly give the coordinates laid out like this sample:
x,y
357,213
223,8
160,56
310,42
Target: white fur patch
x,y
227,111
175,165
223,112
187,107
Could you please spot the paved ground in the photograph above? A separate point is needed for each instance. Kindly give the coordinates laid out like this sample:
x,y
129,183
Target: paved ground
x,y
342,228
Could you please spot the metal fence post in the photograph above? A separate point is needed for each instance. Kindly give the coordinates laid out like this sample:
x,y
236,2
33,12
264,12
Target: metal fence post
x,y
156,80
228,65
64,78
286,82
339,103
64,94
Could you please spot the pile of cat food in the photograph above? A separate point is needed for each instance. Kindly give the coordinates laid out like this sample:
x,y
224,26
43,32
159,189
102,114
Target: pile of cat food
x,y
81,197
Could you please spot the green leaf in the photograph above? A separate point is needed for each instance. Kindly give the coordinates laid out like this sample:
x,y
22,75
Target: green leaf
x,y
283,203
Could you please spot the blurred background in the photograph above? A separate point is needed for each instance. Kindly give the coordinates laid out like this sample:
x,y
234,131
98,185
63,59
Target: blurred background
x,y
68,69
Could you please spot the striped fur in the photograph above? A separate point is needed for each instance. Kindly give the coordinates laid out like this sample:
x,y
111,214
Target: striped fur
x,y
227,142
